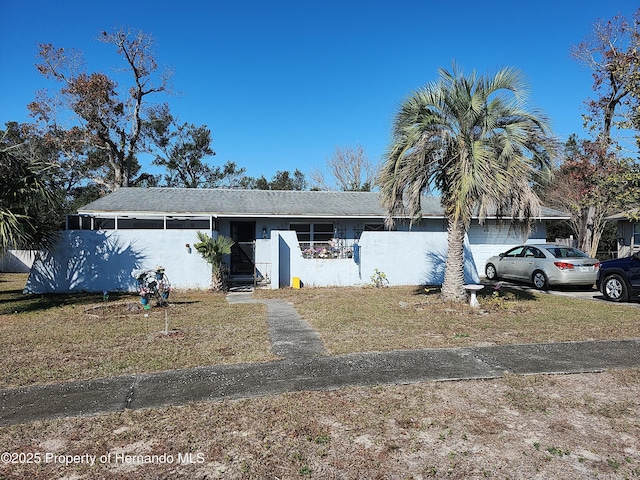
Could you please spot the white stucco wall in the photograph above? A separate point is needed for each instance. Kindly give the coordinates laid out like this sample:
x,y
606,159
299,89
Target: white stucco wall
x,y
94,261
103,260
263,259
406,258
410,258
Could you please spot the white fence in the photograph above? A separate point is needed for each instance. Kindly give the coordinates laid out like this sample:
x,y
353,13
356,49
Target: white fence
x,y
103,260
569,242
406,258
95,261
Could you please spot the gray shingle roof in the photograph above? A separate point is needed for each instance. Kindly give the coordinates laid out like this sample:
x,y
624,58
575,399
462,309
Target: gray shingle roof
x,y
226,202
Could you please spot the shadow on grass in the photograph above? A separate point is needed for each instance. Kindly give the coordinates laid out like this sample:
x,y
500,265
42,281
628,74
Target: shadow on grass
x,y
428,290
40,303
12,301
183,302
11,293
513,292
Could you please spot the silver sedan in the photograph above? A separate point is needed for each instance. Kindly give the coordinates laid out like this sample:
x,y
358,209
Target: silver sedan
x,y
544,265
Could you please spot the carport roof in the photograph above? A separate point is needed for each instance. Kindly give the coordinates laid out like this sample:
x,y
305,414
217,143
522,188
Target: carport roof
x,y
254,203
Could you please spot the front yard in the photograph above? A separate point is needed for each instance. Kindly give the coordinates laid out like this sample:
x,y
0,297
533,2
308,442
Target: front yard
x,y
525,427
379,319
54,338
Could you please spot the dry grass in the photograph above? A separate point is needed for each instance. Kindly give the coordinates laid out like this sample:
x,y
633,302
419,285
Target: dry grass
x,y
539,427
52,338
381,319
55,338
532,427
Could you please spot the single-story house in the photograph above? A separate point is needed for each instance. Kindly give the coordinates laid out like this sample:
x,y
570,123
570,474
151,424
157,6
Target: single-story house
x,y
317,238
628,231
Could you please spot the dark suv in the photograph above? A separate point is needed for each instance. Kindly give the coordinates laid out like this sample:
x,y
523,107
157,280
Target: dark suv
x,y
618,279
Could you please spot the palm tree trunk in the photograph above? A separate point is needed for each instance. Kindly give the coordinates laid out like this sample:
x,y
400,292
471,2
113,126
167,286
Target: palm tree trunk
x,y
217,281
452,288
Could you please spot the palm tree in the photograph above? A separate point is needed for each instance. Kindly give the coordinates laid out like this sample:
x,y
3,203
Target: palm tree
x,y
30,202
212,250
470,139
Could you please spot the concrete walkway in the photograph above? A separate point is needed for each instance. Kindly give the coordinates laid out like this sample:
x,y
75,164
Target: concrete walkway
x,y
291,337
306,366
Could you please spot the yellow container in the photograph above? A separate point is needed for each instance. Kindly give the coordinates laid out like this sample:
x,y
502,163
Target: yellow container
x,y
296,282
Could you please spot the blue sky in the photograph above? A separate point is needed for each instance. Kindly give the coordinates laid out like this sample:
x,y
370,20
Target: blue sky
x,y
281,84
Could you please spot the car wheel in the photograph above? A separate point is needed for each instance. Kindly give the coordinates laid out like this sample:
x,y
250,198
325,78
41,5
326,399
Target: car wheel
x,y
490,272
615,289
539,280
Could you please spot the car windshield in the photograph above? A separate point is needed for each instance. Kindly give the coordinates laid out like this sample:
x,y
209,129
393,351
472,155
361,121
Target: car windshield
x,y
566,252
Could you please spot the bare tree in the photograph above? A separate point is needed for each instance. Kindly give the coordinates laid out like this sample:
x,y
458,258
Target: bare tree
x,y
350,170
612,53
109,120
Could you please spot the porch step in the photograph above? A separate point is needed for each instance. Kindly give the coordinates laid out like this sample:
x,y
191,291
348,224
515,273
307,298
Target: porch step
x,y
242,280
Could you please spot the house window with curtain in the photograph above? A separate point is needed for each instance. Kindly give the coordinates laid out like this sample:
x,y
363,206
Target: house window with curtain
x,y
636,235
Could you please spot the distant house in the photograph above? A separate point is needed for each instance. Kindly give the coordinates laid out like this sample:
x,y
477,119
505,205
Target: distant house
x,y
320,238
628,231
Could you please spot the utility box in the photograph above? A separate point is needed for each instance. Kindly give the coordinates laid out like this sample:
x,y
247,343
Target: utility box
x,y
296,282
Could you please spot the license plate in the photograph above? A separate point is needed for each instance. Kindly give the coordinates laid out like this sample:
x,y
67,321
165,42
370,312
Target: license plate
x,y
586,269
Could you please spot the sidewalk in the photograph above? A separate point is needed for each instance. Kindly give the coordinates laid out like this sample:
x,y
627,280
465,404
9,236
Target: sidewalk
x,y
290,336
306,366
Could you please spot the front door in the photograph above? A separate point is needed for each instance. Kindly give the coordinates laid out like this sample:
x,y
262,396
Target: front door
x,y
242,253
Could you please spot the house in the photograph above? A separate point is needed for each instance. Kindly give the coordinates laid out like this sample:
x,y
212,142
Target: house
x,y
319,238
628,231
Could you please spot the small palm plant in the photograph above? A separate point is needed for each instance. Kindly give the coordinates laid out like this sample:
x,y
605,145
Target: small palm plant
x,y
212,250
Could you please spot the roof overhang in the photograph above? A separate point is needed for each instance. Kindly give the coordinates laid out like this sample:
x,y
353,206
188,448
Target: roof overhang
x,y
629,215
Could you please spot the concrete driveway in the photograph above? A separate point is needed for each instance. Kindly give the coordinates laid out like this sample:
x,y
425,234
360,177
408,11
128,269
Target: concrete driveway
x,y
574,292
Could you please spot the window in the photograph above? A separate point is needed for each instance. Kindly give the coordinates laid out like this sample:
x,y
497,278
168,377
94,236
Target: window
x,y
84,222
303,231
73,222
636,234
188,223
313,232
532,252
567,252
87,222
104,223
514,252
141,223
